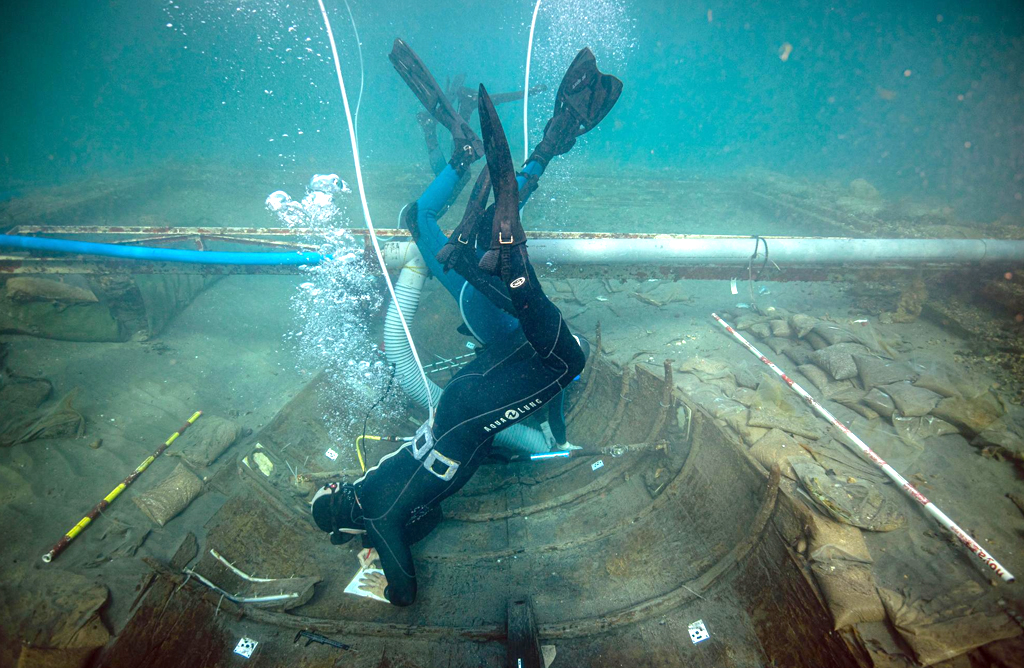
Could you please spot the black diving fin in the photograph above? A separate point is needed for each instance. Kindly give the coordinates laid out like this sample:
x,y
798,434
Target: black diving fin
x,y
506,228
584,98
425,88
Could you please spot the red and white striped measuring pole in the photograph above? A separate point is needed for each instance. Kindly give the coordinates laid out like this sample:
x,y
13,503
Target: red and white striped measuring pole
x,y
929,507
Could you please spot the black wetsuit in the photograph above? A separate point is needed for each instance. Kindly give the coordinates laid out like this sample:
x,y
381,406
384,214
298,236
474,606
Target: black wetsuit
x,y
508,381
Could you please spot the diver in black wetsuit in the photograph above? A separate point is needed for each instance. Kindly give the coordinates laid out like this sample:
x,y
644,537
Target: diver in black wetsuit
x,y
397,502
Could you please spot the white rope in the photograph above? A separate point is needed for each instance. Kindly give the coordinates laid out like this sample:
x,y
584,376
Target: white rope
x,y
362,70
526,88
366,207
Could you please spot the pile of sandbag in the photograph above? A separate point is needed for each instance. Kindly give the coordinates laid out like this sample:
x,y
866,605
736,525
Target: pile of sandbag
x,y
850,366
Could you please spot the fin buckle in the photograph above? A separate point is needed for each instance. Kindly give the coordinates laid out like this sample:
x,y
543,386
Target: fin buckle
x,y
511,239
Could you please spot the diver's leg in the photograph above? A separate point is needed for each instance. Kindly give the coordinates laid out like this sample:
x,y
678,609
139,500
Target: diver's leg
x,y
434,156
421,218
540,319
527,179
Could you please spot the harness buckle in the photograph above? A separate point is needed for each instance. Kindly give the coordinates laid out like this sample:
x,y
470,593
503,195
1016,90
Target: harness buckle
x,y
422,442
451,466
511,239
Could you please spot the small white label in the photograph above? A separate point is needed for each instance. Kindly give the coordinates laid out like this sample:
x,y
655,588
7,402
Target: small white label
x,y
331,454
245,647
516,283
732,286
470,345
596,465
698,632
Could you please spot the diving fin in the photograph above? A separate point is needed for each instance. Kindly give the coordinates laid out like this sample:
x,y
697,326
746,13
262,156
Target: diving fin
x,y
584,98
506,229
461,236
425,88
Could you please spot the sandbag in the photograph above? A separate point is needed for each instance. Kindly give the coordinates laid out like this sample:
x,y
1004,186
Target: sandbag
x,y
834,540
800,352
761,330
171,496
1005,434
834,334
875,372
802,324
940,628
882,437
914,431
880,402
776,448
850,592
206,440
837,359
911,401
937,382
773,406
972,414
858,503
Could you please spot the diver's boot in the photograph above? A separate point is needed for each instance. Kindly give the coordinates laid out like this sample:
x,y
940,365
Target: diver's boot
x,y
425,88
585,96
506,229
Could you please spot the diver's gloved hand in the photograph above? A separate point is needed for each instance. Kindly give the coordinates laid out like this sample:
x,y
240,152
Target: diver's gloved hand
x,y
506,229
585,96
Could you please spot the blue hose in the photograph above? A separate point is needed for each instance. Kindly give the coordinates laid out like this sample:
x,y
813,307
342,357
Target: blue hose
x,y
157,254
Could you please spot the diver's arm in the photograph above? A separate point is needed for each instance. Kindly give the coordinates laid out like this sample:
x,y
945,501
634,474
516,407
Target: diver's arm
x,y
395,560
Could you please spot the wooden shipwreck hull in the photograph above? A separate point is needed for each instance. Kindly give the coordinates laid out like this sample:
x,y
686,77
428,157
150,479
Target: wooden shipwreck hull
x,y
617,558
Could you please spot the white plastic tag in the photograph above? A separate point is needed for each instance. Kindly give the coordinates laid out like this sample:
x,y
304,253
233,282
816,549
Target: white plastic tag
x,y
698,632
331,454
732,286
245,647
596,465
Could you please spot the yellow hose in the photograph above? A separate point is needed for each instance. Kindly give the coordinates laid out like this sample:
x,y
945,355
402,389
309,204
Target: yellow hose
x,y
359,449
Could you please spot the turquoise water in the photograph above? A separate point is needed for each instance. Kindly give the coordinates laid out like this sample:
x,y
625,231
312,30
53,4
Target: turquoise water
x,y
923,101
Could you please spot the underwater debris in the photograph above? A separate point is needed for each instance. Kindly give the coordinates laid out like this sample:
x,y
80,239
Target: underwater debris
x,y
910,304
31,289
62,421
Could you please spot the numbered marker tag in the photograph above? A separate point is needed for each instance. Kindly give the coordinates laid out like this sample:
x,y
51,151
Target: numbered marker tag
x,y
245,647
331,454
698,632
596,465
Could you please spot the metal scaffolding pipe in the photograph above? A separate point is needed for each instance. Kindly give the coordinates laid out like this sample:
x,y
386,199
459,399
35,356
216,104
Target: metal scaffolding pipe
x,y
785,251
